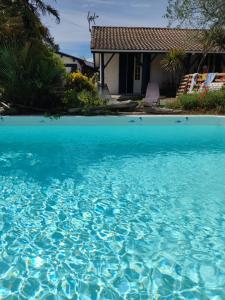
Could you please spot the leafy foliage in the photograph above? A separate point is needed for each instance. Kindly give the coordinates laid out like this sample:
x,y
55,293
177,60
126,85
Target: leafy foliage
x,y
190,102
31,76
214,37
30,73
173,60
197,13
206,101
20,20
89,99
79,82
81,92
207,14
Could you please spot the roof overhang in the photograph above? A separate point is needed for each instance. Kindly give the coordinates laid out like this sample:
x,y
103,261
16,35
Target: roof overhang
x,y
68,55
74,58
119,39
148,51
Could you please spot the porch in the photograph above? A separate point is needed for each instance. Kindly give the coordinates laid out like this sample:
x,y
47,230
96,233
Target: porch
x,y
127,74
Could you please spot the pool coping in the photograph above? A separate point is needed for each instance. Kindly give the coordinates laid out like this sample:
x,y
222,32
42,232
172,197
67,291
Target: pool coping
x,y
117,116
125,120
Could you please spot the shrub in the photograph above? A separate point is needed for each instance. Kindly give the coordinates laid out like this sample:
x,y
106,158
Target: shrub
x,y
214,100
89,99
79,82
31,75
71,98
206,100
189,102
84,100
81,92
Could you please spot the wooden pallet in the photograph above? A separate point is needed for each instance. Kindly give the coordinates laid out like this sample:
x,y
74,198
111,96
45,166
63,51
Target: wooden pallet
x,y
186,83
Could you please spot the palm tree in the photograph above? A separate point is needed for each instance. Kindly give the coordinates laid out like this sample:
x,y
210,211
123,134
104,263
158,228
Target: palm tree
x,y
173,63
173,60
21,20
38,6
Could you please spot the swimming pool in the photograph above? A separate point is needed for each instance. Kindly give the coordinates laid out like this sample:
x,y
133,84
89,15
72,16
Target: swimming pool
x,y
112,208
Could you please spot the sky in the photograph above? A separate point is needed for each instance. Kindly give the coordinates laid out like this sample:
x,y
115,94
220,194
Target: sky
x,y
72,33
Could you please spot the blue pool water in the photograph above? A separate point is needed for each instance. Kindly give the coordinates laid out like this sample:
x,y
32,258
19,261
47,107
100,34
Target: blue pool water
x,y
112,212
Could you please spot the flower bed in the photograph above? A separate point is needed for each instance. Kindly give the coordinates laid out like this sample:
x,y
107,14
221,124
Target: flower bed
x,y
204,101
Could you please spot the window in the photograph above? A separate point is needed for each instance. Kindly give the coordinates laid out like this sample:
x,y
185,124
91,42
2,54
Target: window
x,y
74,68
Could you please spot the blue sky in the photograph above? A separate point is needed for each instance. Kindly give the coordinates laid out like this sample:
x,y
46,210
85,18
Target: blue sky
x,y
72,33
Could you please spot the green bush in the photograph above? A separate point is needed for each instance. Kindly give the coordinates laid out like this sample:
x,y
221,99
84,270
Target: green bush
x,y
32,76
206,100
189,102
71,98
84,100
81,92
214,100
90,99
79,82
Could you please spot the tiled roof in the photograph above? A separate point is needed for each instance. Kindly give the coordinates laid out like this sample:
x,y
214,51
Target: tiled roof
x,y
146,39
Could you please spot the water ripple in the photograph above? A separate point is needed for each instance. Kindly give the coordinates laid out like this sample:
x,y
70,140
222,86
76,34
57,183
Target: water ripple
x,y
80,221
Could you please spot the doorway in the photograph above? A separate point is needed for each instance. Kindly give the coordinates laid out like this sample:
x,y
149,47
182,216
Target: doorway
x,y
126,73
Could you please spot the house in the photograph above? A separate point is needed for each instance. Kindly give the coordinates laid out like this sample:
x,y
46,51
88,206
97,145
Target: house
x,y
75,64
129,57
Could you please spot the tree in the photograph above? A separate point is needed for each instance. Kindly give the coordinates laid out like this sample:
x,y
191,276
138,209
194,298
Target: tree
x,y
197,13
173,62
31,76
21,20
203,14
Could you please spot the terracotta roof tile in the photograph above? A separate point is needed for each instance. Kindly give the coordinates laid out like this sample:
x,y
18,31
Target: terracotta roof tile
x,y
146,39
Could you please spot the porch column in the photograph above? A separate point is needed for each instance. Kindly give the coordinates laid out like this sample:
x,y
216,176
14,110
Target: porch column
x,y
102,71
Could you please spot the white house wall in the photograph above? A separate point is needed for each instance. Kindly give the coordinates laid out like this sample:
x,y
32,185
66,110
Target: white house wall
x,y
112,73
157,73
97,59
69,60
